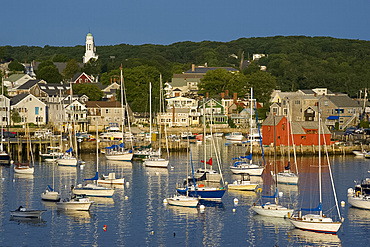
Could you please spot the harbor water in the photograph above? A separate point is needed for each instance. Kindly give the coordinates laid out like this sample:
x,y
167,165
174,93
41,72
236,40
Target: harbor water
x,y
137,216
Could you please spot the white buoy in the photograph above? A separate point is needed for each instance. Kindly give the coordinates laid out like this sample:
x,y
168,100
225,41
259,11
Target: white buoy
x,y
172,167
226,183
281,194
202,207
234,210
13,180
2,179
236,201
126,197
152,232
82,167
156,173
165,201
343,204
127,184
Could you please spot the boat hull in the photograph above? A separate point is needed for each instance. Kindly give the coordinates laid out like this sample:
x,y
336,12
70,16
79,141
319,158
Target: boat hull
x,y
246,170
94,191
4,158
286,178
324,226
50,196
27,213
359,201
183,201
243,187
160,163
273,211
205,193
119,157
24,170
67,161
111,181
74,205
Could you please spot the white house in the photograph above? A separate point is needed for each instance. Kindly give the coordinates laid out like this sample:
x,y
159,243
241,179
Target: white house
x,y
4,110
30,109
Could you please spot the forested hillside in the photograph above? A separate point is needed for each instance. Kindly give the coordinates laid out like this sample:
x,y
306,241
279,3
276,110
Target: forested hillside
x,y
297,62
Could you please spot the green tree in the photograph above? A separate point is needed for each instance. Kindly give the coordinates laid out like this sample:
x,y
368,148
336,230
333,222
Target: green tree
x,y
16,66
48,72
16,118
263,84
90,90
92,67
71,69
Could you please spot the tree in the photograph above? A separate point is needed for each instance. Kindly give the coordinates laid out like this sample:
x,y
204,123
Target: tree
x,y
15,66
263,84
92,67
48,72
16,118
71,69
90,90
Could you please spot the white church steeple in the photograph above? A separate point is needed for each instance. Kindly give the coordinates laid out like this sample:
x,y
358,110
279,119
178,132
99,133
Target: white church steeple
x,y
90,49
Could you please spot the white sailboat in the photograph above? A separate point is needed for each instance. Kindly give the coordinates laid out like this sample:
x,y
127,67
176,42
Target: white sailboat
x,y
244,164
50,194
318,222
94,189
24,168
157,160
287,176
119,152
273,209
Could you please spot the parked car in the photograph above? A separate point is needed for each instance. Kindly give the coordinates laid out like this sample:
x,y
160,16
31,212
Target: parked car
x,y
350,131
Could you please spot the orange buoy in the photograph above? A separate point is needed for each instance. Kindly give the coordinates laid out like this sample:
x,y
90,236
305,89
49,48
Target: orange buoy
x,y
105,228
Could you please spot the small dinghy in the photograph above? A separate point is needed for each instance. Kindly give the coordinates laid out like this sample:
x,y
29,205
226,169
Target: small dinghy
x,y
27,213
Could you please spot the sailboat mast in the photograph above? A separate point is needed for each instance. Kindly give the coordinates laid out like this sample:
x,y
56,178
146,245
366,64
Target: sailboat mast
x,y
250,125
319,132
275,153
97,146
288,124
204,135
150,112
123,112
128,114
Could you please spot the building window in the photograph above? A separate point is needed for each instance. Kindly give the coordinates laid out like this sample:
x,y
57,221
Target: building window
x,y
303,137
326,103
297,102
36,111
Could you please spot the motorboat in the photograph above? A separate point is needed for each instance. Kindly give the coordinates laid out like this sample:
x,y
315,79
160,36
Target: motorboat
x,y
27,213
359,152
76,202
243,184
358,200
51,155
234,136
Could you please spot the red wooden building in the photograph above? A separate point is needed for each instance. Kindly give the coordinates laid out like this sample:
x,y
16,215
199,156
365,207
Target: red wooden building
x,y
81,78
304,133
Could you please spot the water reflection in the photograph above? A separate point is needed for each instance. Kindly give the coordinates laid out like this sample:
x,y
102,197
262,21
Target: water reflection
x,y
182,211
49,205
29,221
23,176
359,216
81,217
272,221
315,238
102,201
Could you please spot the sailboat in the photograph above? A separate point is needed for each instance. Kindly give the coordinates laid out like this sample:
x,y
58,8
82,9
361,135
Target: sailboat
x,y
270,209
185,200
4,156
157,160
68,159
119,152
244,164
287,176
207,174
50,194
24,168
318,222
94,189
196,189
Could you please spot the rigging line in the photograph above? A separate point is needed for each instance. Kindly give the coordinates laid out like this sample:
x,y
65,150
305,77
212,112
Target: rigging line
x,y
259,131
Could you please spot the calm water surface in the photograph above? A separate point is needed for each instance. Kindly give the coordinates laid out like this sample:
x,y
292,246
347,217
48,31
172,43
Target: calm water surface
x,y
136,215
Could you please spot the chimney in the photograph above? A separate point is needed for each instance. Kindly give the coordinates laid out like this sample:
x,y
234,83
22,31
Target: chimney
x,y
33,63
113,98
227,92
207,95
111,80
235,98
193,67
222,95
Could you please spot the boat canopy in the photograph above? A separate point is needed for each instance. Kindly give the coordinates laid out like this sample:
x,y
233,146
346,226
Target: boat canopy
x,y
94,178
69,150
318,208
274,196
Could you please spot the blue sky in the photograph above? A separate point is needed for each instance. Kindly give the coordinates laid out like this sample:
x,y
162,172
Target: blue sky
x,y
66,22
